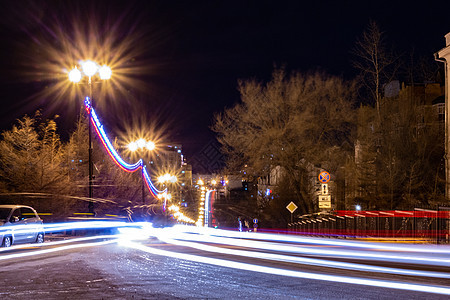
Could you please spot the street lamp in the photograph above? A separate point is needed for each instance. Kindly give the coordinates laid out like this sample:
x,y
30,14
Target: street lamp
x,y
167,178
141,144
89,69
201,209
164,179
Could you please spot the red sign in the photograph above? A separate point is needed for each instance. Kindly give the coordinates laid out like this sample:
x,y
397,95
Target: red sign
x,y
324,177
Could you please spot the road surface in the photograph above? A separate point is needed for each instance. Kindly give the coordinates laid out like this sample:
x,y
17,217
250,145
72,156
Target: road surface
x,y
189,264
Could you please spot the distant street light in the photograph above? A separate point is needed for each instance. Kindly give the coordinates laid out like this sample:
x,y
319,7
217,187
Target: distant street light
x,y
167,178
201,209
75,75
140,145
164,179
89,69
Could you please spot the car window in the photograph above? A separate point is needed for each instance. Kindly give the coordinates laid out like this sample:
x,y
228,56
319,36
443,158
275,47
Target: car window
x,y
27,213
17,214
4,213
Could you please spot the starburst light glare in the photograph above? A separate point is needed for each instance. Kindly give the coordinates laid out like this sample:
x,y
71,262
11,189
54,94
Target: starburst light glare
x,y
75,75
167,177
174,208
89,68
141,143
150,146
104,72
157,193
132,146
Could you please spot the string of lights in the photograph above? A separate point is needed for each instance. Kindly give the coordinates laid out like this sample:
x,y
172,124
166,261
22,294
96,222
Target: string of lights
x,y
115,156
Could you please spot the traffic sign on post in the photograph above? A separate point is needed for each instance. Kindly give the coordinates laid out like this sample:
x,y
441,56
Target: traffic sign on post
x,y
324,177
291,207
324,189
325,201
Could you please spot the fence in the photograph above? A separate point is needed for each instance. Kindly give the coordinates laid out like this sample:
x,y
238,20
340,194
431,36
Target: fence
x,y
421,224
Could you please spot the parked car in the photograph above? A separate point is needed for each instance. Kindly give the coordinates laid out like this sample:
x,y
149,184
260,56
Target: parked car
x,y
20,224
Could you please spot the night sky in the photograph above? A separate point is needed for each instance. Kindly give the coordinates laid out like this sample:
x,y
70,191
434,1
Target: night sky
x,y
187,56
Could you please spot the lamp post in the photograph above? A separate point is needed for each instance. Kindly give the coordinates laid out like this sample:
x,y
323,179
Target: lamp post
x,y
165,179
140,145
89,69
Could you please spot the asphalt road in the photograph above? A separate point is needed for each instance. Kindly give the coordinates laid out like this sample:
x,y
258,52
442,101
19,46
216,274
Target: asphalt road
x,y
162,267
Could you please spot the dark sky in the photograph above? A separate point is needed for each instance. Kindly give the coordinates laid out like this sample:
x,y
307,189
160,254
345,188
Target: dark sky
x,y
188,55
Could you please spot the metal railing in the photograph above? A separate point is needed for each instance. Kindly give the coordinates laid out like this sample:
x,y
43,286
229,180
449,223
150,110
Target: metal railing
x,y
431,225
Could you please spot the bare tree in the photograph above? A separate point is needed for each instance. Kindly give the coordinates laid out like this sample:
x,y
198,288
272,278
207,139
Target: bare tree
x,y
377,64
295,122
403,167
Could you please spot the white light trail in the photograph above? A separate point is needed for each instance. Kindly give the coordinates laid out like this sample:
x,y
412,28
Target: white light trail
x,y
303,260
54,227
291,273
347,253
317,241
62,248
55,243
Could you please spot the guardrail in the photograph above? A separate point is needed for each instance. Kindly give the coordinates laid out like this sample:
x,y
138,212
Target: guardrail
x,y
432,225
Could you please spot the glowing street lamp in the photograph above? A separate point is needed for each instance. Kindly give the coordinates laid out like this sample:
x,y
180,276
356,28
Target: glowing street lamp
x,y
201,209
141,144
132,146
104,72
89,69
167,178
150,146
75,75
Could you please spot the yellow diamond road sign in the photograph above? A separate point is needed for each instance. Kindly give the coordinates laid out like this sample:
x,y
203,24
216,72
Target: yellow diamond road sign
x,y
291,207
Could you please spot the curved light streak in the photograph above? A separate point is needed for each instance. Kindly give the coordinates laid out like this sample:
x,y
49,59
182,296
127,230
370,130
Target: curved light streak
x,y
107,143
54,243
291,273
165,235
355,254
304,260
62,248
150,185
113,153
207,207
317,241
